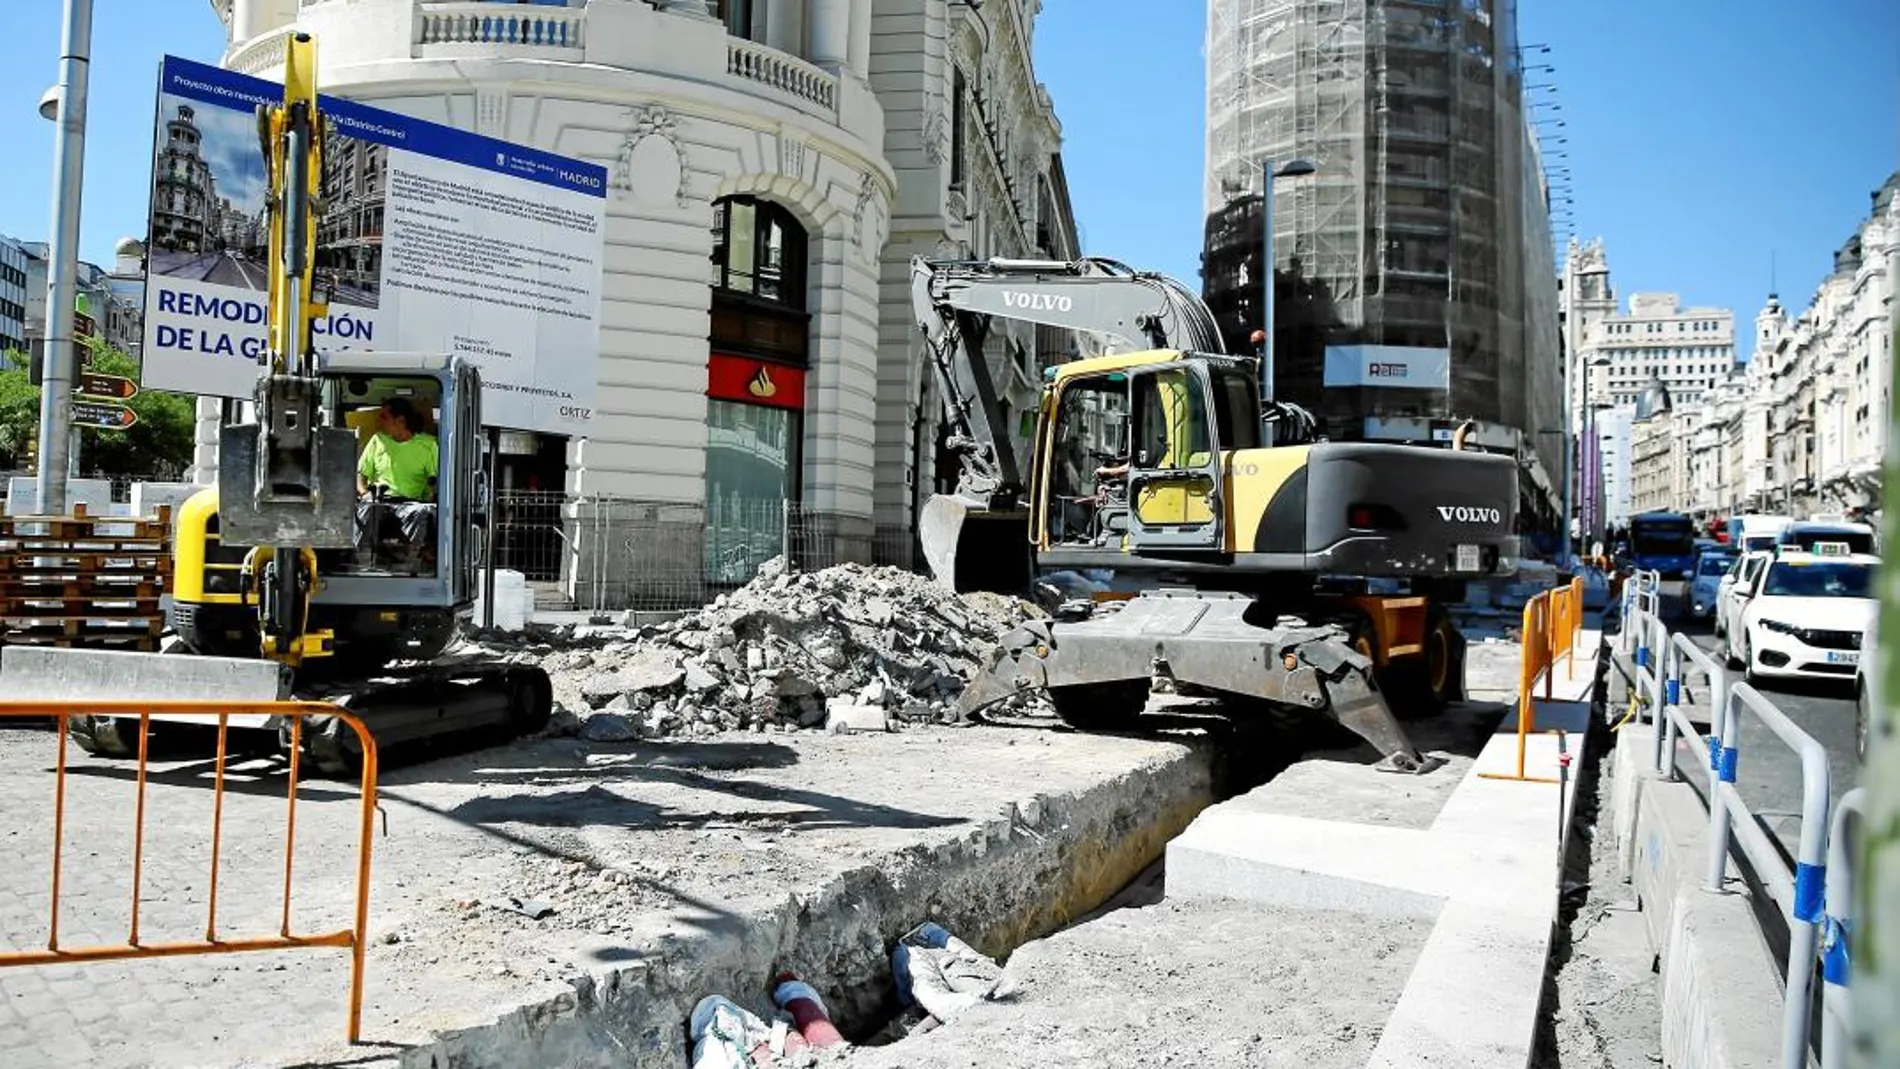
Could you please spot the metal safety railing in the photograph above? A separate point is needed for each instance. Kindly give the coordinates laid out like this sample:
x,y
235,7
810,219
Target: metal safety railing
x,y
1816,892
1843,877
1799,892
353,938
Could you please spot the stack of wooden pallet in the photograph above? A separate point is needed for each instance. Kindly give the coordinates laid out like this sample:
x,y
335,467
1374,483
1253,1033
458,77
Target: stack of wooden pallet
x,y
85,581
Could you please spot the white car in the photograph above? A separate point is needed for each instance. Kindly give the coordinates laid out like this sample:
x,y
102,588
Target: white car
x,y
1805,616
1866,684
1732,593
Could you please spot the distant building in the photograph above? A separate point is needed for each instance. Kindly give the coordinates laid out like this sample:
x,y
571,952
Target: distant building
x,y
114,300
1689,350
1424,228
13,263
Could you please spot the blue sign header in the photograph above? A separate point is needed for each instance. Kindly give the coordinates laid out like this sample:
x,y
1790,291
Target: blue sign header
x,y
241,92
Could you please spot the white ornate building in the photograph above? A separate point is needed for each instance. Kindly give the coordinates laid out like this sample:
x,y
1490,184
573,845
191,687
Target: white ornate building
x,y
774,164
1802,427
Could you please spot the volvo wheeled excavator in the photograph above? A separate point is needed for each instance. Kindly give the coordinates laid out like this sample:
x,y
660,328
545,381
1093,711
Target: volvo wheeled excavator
x,y
285,583
1203,533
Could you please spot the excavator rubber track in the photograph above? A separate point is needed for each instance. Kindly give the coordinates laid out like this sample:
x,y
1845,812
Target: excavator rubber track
x,y
1096,663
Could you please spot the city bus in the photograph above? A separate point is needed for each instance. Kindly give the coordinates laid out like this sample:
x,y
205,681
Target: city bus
x,y
1663,542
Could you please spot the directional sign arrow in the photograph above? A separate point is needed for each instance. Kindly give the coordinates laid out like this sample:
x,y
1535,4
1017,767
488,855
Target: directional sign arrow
x,y
115,387
103,414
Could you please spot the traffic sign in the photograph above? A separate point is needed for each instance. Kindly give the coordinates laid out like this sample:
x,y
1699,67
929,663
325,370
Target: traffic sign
x,y
114,387
83,326
103,414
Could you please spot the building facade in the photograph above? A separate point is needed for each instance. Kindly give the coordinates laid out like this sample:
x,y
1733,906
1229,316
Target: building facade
x,y
113,300
773,164
1802,427
1424,226
186,210
1689,349
13,267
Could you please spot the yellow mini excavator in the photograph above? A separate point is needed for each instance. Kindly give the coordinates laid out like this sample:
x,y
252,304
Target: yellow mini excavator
x,y
286,584
1201,533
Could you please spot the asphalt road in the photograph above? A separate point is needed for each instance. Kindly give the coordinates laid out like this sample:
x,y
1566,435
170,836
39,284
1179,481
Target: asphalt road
x,y
1769,772
220,267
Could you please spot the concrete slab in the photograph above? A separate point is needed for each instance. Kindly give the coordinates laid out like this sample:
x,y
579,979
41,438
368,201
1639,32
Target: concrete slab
x,y
676,869
1484,868
1721,985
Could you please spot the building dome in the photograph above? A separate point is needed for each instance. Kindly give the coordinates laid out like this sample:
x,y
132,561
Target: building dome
x,y
1654,400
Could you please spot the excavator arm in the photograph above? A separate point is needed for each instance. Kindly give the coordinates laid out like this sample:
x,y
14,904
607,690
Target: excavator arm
x,y
286,482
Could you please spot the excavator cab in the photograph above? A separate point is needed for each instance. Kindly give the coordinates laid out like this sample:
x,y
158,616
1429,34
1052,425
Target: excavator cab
x,y
1132,451
395,589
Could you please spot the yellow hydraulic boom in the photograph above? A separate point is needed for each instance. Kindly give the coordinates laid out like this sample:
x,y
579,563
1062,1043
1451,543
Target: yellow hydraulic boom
x,y
287,482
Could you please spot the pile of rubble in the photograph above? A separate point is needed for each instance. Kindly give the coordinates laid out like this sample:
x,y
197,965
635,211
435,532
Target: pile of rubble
x,y
850,646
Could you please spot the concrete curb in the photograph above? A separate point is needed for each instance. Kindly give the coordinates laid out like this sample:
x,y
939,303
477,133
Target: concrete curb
x,y
1721,987
1035,867
1484,870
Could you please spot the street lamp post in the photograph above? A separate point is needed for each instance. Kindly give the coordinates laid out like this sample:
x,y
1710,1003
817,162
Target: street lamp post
x,y
1292,169
65,104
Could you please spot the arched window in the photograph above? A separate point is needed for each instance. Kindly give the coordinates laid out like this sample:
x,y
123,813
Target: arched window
x,y
759,250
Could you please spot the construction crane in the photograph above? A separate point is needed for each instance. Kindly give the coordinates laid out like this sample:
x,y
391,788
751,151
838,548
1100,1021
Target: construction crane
x,y
1220,544
286,583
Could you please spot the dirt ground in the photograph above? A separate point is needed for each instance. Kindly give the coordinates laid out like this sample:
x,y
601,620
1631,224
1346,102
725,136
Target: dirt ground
x,y
646,852
1601,1004
1213,984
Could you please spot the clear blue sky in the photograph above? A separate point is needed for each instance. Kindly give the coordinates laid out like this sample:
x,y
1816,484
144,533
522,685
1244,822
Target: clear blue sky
x,y
1704,134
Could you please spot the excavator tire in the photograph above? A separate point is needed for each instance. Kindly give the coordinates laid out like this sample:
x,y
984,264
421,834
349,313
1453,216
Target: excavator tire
x,y
1424,685
1101,706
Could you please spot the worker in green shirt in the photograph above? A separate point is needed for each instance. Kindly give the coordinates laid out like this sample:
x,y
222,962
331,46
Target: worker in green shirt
x,y
399,457
396,477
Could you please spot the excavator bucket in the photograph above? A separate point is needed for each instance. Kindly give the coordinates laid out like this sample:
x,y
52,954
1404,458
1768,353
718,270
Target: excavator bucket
x,y
1205,640
970,548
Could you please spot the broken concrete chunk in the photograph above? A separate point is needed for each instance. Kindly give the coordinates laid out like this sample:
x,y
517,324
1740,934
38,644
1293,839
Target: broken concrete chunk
x,y
698,678
650,669
845,717
610,727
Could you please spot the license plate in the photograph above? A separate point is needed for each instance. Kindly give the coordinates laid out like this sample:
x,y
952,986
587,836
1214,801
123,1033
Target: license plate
x,y
1842,657
1467,557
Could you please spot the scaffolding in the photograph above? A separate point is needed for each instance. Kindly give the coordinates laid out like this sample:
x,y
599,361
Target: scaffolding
x,y
1415,228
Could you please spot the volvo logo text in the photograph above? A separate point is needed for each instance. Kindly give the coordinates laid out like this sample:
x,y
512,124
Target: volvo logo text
x,y
1467,514
1038,302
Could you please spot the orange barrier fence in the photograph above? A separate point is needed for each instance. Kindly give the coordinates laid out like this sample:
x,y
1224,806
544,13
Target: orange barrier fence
x,y
352,938
1552,622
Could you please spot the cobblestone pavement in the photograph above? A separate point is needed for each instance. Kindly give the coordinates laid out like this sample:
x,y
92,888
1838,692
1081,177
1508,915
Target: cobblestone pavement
x,y
634,844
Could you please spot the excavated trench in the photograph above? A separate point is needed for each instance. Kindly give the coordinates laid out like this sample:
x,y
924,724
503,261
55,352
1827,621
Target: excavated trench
x,y
1040,866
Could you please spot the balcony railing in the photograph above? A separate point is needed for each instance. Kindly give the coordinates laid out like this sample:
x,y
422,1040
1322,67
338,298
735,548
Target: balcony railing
x,y
787,74
459,28
477,23
261,56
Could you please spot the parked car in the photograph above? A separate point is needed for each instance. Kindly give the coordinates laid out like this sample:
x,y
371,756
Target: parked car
x,y
1805,616
1733,589
1710,567
1866,684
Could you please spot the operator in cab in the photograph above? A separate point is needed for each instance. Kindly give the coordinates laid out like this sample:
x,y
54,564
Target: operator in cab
x,y
398,468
